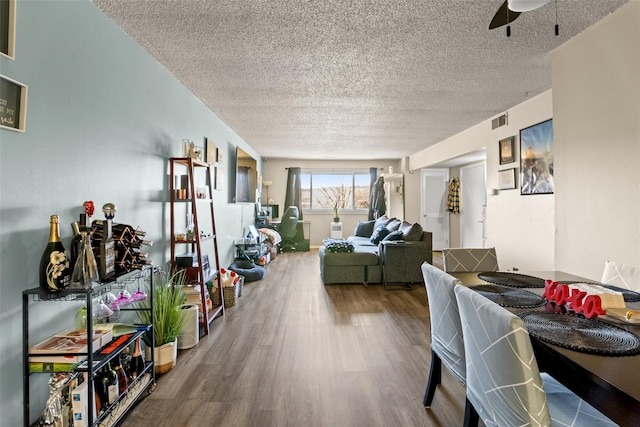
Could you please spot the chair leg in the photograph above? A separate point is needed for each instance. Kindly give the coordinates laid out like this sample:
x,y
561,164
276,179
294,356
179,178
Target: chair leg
x,y
435,376
471,417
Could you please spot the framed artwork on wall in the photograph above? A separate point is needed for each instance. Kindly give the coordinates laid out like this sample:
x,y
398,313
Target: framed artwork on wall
x,y
536,159
506,149
13,104
8,28
211,151
507,179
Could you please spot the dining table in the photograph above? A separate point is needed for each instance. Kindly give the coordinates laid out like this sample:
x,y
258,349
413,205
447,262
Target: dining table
x,y
609,382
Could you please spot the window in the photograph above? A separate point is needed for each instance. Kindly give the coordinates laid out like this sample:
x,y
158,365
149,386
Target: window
x,y
348,189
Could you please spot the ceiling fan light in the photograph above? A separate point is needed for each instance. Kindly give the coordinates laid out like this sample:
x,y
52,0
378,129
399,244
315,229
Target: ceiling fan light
x,y
525,5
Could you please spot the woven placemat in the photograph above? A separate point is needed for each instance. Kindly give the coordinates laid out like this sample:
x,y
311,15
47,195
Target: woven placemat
x,y
509,297
581,334
513,280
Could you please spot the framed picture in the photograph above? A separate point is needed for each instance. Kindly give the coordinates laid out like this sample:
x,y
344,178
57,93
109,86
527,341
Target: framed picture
x,y
8,28
507,179
507,150
219,177
536,159
211,151
13,105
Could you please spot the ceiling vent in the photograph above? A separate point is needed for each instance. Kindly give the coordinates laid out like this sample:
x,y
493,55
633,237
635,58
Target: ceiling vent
x,y
499,121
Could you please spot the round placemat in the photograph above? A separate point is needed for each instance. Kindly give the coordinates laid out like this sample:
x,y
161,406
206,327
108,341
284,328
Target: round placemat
x,y
581,334
509,297
513,280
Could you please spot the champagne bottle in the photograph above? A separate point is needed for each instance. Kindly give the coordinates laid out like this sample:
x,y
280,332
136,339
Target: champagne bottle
x,y
137,360
122,376
113,385
55,273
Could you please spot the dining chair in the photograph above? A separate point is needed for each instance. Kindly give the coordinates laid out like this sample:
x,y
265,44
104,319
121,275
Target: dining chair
x,y
504,385
624,276
465,260
446,330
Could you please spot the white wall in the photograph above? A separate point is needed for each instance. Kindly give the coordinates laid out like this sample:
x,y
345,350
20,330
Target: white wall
x,y
596,88
520,227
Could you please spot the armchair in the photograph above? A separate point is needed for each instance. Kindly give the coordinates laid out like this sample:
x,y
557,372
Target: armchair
x,y
288,228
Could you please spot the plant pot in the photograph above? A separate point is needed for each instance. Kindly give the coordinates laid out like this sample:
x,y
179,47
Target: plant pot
x,y
336,219
165,356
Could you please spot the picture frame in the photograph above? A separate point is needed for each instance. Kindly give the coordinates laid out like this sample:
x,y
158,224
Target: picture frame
x,y
506,150
536,159
13,104
211,151
507,179
8,28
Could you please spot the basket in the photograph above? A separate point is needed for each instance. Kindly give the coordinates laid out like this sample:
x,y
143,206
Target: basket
x,y
230,294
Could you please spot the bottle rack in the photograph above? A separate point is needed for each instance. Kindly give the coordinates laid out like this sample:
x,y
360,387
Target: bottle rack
x,y
199,205
95,359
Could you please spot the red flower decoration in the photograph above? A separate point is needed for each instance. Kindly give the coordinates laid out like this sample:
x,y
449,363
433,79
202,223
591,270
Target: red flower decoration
x,y
89,207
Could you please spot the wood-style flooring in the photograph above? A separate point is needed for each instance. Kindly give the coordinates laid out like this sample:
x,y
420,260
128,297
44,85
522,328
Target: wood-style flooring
x,y
293,352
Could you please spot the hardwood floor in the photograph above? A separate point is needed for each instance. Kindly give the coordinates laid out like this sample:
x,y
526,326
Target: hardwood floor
x,y
294,352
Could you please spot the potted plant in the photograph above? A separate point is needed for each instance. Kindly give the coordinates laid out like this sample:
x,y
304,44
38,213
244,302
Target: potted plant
x,y
169,318
336,211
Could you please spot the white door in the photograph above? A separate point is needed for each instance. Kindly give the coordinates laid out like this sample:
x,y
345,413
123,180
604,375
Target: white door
x,y
434,201
473,196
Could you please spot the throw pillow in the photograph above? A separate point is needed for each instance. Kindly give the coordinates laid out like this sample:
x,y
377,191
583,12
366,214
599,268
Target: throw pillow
x,y
379,234
394,225
413,233
383,220
394,235
337,245
364,228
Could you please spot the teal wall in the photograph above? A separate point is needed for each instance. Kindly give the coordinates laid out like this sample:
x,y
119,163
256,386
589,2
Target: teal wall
x,y
103,118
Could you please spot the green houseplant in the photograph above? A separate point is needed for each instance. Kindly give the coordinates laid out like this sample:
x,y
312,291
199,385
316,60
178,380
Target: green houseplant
x,y
169,318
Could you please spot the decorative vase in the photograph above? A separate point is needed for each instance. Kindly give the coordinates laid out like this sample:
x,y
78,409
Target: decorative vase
x,y
336,219
165,356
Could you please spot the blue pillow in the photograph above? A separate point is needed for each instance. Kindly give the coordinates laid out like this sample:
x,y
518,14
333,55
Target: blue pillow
x,y
380,233
364,228
394,235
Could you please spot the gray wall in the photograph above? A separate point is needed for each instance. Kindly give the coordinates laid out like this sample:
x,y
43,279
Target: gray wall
x,y
103,118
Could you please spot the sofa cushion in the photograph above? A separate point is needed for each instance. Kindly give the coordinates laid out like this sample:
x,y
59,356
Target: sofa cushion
x,y
394,225
412,233
363,255
394,235
379,234
364,228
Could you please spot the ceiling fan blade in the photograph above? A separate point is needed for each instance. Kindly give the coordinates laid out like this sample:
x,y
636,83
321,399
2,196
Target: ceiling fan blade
x,y
503,16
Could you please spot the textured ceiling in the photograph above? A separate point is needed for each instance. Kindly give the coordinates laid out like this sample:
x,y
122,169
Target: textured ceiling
x,y
359,79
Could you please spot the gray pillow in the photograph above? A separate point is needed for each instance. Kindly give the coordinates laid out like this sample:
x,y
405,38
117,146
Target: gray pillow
x,y
393,225
412,233
394,235
383,220
364,228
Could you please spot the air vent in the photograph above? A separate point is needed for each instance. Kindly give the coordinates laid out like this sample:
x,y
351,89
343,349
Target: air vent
x,y
499,121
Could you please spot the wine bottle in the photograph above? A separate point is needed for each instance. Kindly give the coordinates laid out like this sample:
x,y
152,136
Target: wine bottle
x,y
137,360
122,376
100,387
113,386
55,273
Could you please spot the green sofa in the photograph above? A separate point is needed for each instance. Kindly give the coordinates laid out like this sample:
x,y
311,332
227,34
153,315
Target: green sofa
x,y
387,261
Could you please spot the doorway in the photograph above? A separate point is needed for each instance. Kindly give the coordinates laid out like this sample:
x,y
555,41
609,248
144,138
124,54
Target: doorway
x,y
473,194
435,218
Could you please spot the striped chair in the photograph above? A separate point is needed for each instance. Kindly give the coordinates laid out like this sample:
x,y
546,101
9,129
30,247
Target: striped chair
x,y
465,260
504,385
446,330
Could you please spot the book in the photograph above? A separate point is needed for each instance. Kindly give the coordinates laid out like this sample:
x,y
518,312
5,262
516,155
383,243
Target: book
x,y
51,367
119,329
80,405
